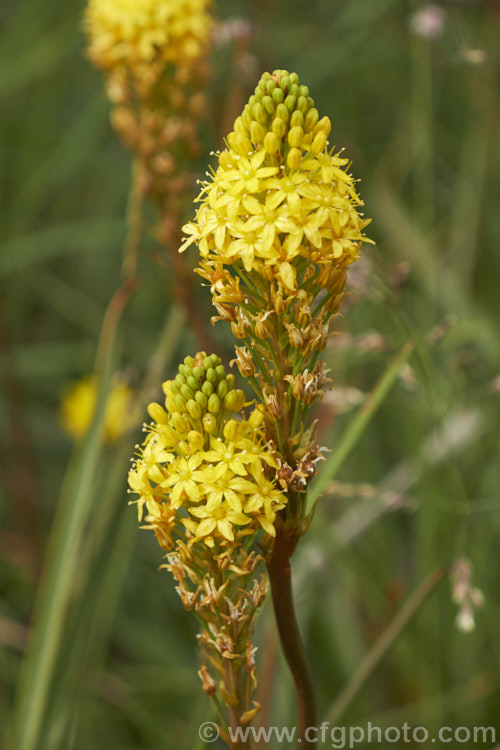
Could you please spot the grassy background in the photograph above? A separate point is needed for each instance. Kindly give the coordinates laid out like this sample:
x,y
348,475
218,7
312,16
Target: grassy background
x,y
116,665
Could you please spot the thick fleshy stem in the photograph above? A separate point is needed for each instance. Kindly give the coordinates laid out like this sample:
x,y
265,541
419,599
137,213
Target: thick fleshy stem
x,y
280,576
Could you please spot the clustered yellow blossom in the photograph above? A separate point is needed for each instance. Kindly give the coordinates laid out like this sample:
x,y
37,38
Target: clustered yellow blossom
x,y
139,32
281,199
202,474
79,403
155,57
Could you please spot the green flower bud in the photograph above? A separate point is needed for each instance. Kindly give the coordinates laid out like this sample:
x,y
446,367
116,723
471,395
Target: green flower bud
x,y
295,136
209,423
157,413
311,119
302,104
293,89
259,113
230,430
268,104
242,144
220,372
211,376
294,158
194,409
282,112
189,361
214,404
323,125
222,388
230,380
294,78
187,392
239,126
180,380
201,399
179,423
297,118
278,95
303,91
193,383
246,116
279,127
270,86
319,143
198,372
234,401
290,103
207,388
180,403
271,143
257,132
196,440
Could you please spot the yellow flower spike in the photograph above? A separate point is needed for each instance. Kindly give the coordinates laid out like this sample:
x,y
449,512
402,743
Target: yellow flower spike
x,y
138,32
198,467
287,199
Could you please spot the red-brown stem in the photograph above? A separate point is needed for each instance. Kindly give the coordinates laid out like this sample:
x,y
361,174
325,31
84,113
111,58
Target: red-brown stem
x,y
280,575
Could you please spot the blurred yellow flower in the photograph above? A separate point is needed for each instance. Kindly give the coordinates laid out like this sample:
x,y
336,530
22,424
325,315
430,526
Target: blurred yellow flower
x,y
79,403
135,32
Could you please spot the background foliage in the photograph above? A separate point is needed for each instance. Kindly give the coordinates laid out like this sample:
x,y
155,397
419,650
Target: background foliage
x,y
418,118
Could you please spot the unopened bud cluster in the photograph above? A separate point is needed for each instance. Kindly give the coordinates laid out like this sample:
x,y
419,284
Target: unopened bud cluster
x,y
154,54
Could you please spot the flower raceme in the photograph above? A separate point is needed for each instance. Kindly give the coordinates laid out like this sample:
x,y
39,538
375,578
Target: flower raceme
x,y
154,54
202,472
281,200
137,32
